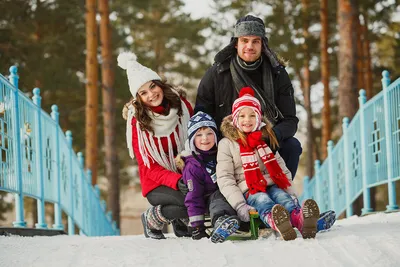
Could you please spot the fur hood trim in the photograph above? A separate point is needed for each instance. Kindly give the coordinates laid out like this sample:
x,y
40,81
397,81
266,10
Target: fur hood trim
x,y
180,158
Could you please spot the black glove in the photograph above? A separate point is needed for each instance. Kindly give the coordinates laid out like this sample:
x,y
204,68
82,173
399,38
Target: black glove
x,y
199,232
182,187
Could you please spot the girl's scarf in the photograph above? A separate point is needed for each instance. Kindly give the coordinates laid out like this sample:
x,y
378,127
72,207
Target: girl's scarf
x,y
252,173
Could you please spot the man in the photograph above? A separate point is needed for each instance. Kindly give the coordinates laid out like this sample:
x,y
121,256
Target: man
x,y
248,61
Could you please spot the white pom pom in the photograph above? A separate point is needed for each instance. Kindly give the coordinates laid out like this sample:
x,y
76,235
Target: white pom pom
x,y
124,57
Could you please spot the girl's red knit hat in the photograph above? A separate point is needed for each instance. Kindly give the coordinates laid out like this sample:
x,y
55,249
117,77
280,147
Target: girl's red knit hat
x,y
246,99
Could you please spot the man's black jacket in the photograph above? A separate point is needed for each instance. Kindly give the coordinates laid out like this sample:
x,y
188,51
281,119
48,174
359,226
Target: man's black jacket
x,y
216,95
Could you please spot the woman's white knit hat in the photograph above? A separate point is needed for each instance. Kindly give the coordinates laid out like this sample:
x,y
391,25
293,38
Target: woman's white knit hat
x,y
136,72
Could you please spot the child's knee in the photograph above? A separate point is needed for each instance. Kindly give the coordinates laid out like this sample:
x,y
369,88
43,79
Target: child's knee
x,y
263,199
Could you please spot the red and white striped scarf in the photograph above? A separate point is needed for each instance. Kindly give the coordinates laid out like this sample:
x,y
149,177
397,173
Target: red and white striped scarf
x,y
164,126
254,178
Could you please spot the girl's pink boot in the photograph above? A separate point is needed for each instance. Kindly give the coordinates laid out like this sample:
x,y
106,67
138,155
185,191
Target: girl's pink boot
x,y
305,219
279,220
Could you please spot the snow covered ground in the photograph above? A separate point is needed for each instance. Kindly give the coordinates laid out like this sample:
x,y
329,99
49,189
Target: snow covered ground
x,y
368,241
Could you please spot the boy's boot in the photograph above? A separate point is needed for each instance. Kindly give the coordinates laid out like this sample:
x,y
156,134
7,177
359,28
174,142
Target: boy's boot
x,y
326,220
199,232
279,220
153,222
305,219
224,226
180,227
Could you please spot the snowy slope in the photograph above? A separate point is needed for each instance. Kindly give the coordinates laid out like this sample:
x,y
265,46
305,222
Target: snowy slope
x,y
368,241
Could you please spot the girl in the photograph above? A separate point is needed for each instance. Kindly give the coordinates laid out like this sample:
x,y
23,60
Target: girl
x,y
157,119
250,175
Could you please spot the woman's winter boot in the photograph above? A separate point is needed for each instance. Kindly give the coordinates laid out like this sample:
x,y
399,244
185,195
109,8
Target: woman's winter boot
x,y
153,222
279,220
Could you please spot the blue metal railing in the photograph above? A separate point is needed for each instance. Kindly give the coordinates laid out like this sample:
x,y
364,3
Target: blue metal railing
x,y
367,155
37,160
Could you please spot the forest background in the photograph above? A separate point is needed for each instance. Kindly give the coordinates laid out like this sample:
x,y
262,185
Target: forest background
x,y
68,49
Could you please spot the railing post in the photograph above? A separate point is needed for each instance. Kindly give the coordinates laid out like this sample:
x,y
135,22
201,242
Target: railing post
x,y
346,152
366,191
389,154
109,219
331,177
90,197
57,205
103,205
306,194
83,187
317,177
71,226
37,100
109,216
96,220
114,228
19,197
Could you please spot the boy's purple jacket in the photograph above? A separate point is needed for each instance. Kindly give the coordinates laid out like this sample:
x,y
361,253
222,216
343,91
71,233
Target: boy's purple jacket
x,y
200,186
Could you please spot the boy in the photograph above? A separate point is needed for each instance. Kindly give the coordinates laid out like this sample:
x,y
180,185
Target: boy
x,y
198,162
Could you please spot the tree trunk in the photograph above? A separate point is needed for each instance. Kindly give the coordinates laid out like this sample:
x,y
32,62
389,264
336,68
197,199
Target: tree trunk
x,y
347,62
357,47
326,111
360,55
158,43
108,95
307,89
92,93
37,36
367,59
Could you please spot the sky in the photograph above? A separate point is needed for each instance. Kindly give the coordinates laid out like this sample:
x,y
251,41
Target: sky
x,y
358,241
198,8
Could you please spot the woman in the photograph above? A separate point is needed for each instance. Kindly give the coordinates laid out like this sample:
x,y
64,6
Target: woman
x,y
157,119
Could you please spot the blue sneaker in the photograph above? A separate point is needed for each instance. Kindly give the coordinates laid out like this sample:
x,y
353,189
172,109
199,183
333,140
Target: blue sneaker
x,y
224,227
326,220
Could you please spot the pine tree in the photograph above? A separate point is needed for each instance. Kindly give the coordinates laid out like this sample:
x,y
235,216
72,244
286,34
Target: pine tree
x,y
306,86
347,60
92,94
46,42
165,38
108,96
326,111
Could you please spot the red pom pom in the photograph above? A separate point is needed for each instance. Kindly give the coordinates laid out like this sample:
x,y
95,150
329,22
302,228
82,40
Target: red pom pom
x,y
246,90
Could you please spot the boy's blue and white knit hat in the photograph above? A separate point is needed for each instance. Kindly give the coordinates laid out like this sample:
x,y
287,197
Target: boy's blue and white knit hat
x,y
198,120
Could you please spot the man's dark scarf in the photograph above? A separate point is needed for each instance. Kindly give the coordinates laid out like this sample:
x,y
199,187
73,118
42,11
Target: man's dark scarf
x,y
265,94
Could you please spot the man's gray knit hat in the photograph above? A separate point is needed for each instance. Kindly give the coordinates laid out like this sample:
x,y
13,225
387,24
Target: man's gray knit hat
x,y
249,25
246,26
